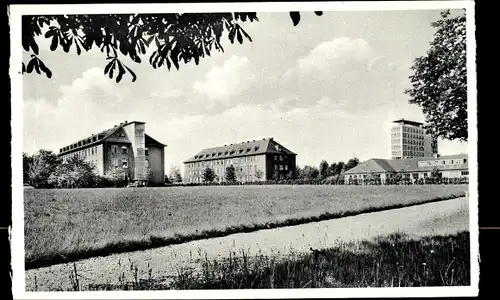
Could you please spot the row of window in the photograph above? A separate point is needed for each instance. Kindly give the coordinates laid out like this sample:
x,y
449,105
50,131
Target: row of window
x,y
430,163
281,167
227,152
281,157
389,175
114,149
221,162
407,142
222,171
408,129
116,163
81,153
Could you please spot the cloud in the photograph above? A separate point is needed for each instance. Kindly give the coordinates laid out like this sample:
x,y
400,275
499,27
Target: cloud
x,y
337,52
87,105
167,93
230,79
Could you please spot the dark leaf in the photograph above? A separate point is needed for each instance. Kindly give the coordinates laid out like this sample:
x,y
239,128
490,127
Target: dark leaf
x,y
23,69
246,34
31,65
134,77
123,47
26,46
232,32
151,58
121,71
78,50
169,64
112,69
37,66
318,13
50,33
53,45
240,38
34,46
45,69
157,41
149,40
295,16
108,66
142,47
136,58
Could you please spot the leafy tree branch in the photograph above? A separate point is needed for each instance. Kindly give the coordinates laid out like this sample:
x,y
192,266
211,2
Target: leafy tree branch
x,y
176,38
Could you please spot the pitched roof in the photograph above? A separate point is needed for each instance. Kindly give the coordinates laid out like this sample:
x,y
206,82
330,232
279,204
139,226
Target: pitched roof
x,y
255,147
151,141
378,165
98,138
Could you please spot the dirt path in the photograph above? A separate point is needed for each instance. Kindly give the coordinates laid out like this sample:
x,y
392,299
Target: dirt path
x,y
443,217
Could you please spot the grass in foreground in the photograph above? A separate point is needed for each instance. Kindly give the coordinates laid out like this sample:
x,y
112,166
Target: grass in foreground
x,y
68,225
394,261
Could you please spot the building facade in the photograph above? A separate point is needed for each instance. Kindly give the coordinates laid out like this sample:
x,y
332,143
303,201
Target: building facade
x,y
126,148
256,160
452,166
408,139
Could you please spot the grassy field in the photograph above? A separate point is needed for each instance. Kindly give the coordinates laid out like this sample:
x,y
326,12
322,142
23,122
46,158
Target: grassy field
x,y
393,261
66,225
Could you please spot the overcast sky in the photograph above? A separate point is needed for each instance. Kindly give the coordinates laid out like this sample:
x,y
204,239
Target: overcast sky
x,y
326,89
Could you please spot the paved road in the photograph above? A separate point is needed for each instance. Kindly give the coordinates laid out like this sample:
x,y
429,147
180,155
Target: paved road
x,y
443,217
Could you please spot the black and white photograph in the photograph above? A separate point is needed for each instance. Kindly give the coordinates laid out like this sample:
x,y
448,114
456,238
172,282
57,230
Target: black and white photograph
x,y
244,150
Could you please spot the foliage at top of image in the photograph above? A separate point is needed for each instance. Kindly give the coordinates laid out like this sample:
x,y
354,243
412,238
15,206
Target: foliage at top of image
x,y
177,38
439,80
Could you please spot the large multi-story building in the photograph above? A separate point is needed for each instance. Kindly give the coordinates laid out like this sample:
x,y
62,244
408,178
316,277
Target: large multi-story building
x,y
451,166
408,139
125,147
256,160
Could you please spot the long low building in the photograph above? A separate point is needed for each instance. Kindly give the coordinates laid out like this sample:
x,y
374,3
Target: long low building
x,y
256,160
451,166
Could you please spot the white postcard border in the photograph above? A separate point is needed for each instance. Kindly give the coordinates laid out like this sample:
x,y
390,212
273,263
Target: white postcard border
x,y
17,246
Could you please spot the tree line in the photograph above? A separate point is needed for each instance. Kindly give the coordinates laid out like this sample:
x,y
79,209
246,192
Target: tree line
x,y
45,169
323,173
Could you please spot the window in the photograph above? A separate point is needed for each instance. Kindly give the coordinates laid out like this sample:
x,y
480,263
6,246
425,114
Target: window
x,y
147,163
124,149
113,149
275,167
115,163
465,173
124,164
286,167
146,151
275,157
281,167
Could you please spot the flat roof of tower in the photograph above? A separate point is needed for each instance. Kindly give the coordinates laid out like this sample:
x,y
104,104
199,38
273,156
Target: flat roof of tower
x,y
408,122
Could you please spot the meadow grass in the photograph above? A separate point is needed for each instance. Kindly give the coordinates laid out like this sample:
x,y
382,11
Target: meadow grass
x,y
393,261
68,225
